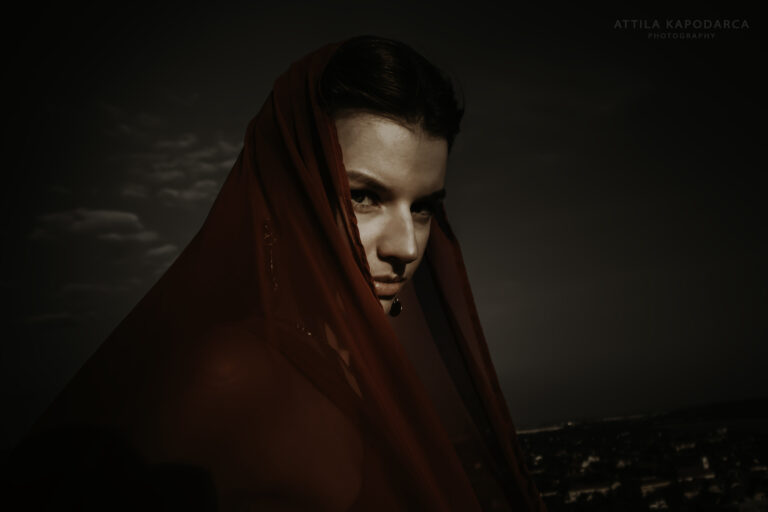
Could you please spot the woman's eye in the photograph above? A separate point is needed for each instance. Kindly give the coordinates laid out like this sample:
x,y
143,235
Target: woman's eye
x,y
424,209
362,197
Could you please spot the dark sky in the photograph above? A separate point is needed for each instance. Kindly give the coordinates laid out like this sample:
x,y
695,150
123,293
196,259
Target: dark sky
x,y
605,187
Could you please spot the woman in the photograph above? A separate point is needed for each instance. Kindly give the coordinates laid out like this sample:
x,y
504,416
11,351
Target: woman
x,y
260,372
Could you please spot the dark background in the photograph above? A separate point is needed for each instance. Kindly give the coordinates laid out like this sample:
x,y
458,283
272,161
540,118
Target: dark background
x,y
607,188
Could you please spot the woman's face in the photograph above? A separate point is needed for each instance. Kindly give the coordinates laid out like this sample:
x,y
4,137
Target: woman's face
x,y
397,178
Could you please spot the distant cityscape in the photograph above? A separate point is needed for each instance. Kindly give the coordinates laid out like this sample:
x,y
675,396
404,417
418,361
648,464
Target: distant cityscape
x,y
706,458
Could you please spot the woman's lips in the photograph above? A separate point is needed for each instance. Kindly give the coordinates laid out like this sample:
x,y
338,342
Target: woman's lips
x,y
387,290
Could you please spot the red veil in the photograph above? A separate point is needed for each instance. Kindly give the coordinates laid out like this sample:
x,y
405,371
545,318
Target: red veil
x,y
261,373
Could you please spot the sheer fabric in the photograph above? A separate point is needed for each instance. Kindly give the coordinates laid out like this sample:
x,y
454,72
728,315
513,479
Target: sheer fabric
x,y
261,373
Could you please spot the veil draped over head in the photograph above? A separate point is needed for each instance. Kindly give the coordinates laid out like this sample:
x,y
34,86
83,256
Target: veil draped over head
x,y
261,372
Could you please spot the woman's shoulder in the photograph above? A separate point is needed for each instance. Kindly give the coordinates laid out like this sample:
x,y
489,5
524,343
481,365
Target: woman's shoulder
x,y
259,424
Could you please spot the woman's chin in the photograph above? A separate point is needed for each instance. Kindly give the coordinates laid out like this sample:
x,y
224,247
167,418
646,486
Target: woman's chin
x,y
386,304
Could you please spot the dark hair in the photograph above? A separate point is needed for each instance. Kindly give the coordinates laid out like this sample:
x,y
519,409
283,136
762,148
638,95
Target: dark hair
x,y
389,78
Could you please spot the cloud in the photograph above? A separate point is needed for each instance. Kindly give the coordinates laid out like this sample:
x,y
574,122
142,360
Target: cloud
x,y
184,166
226,165
141,236
202,153
104,224
176,168
134,190
162,257
164,175
163,250
83,219
228,148
182,158
199,190
183,141
161,167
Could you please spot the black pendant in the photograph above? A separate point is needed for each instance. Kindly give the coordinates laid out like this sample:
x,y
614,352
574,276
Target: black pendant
x,y
396,307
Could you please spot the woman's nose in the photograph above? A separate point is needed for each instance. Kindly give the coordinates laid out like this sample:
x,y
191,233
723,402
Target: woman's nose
x,y
398,239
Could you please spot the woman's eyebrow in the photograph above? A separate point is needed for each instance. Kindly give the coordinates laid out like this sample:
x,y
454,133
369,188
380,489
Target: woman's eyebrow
x,y
438,195
380,188
367,180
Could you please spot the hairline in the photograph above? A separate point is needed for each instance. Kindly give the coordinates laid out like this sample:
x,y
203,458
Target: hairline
x,y
419,124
